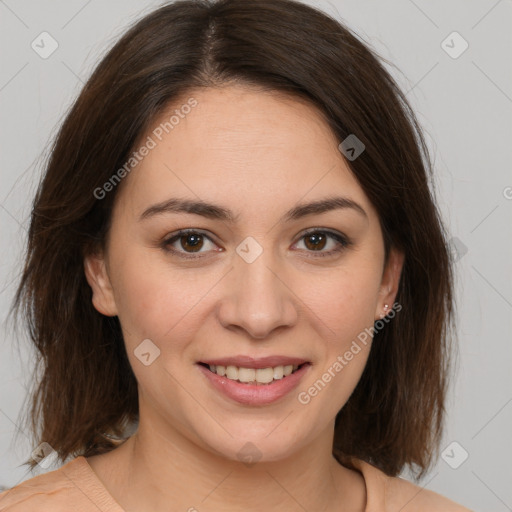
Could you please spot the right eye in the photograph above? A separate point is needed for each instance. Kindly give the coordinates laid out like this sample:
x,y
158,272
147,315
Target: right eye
x,y
190,240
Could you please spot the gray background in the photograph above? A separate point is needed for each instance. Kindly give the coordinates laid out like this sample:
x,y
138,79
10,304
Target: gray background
x,y
464,105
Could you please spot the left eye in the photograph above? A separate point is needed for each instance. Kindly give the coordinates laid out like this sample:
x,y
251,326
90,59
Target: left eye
x,y
315,241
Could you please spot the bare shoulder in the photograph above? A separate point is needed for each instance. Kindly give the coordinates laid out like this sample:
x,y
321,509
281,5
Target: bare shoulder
x,y
407,497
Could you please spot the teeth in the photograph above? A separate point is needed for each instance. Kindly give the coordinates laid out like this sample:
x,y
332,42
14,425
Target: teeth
x,y
252,375
246,374
232,372
278,372
264,375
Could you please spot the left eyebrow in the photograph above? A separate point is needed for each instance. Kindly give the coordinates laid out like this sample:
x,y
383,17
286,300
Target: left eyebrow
x,y
217,212
321,206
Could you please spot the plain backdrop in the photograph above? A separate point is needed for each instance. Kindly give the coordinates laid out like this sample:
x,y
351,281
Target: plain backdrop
x,y
463,99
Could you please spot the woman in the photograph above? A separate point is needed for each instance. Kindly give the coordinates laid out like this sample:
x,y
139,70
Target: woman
x,y
234,250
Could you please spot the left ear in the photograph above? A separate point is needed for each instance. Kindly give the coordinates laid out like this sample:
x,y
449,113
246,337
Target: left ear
x,y
389,283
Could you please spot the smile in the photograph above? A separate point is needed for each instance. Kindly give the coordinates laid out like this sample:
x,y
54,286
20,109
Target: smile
x,y
257,376
253,386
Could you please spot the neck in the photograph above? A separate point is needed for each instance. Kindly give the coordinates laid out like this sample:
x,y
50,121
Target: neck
x,y
157,466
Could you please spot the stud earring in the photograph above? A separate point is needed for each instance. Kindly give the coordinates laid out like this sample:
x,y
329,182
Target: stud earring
x,y
386,306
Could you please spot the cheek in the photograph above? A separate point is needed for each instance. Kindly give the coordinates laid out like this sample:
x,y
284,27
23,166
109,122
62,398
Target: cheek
x,y
345,307
343,299
156,301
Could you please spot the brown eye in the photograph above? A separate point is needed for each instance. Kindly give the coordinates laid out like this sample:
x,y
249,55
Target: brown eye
x,y
192,241
186,243
315,241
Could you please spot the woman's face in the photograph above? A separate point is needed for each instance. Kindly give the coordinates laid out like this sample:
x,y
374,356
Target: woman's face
x,y
248,282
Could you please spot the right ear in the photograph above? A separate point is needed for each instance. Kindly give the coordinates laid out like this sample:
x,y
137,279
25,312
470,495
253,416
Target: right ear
x,y
99,281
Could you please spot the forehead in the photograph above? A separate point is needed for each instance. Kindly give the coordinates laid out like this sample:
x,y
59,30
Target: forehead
x,y
242,145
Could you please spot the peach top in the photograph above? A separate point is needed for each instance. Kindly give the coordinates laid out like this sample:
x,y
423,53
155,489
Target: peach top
x,y
75,486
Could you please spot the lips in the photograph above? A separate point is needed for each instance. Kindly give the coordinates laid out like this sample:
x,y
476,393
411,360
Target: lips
x,y
243,361
250,394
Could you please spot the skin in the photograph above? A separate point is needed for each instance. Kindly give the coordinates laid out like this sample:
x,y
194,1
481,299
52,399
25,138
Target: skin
x,y
259,154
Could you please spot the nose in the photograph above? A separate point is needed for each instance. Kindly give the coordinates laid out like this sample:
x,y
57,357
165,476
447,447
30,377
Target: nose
x,y
258,298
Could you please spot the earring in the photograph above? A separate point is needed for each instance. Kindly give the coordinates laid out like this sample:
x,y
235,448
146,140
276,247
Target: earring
x,y
386,306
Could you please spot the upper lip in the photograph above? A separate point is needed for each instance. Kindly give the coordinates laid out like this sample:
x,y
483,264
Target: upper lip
x,y
255,362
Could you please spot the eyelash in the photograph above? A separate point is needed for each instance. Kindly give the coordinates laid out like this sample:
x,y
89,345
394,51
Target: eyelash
x,y
343,241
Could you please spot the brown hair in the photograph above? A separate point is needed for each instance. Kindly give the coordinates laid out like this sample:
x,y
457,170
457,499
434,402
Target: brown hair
x,y
87,388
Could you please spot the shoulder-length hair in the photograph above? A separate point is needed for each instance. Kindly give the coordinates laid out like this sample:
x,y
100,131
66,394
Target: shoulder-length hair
x,y
87,391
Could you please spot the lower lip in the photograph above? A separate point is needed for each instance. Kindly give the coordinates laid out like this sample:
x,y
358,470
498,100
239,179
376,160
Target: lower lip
x,y
252,394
